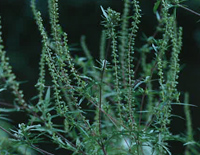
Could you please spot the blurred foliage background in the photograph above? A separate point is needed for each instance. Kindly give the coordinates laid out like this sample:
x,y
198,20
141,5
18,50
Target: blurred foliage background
x,y
83,17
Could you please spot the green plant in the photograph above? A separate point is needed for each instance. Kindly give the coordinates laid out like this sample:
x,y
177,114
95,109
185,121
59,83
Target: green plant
x,y
116,105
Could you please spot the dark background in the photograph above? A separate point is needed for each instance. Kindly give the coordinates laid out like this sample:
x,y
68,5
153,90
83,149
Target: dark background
x,y
83,17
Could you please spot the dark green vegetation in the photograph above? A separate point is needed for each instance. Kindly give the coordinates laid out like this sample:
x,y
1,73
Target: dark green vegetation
x,y
120,103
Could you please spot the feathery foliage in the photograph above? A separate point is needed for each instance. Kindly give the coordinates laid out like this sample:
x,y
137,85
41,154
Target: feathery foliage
x,y
118,104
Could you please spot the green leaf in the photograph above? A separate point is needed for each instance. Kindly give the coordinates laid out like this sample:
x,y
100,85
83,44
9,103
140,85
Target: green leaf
x,y
81,129
86,77
167,150
48,95
184,104
155,8
2,117
7,110
81,100
189,143
104,12
2,89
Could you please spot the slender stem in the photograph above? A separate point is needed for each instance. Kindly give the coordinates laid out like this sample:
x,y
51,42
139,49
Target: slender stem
x,y
102,146
100,86
100,96
7,104
192,11
41,150
141,107
8,132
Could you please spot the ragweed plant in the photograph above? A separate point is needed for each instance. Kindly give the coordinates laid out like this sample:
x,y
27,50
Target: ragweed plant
x,y
118,104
